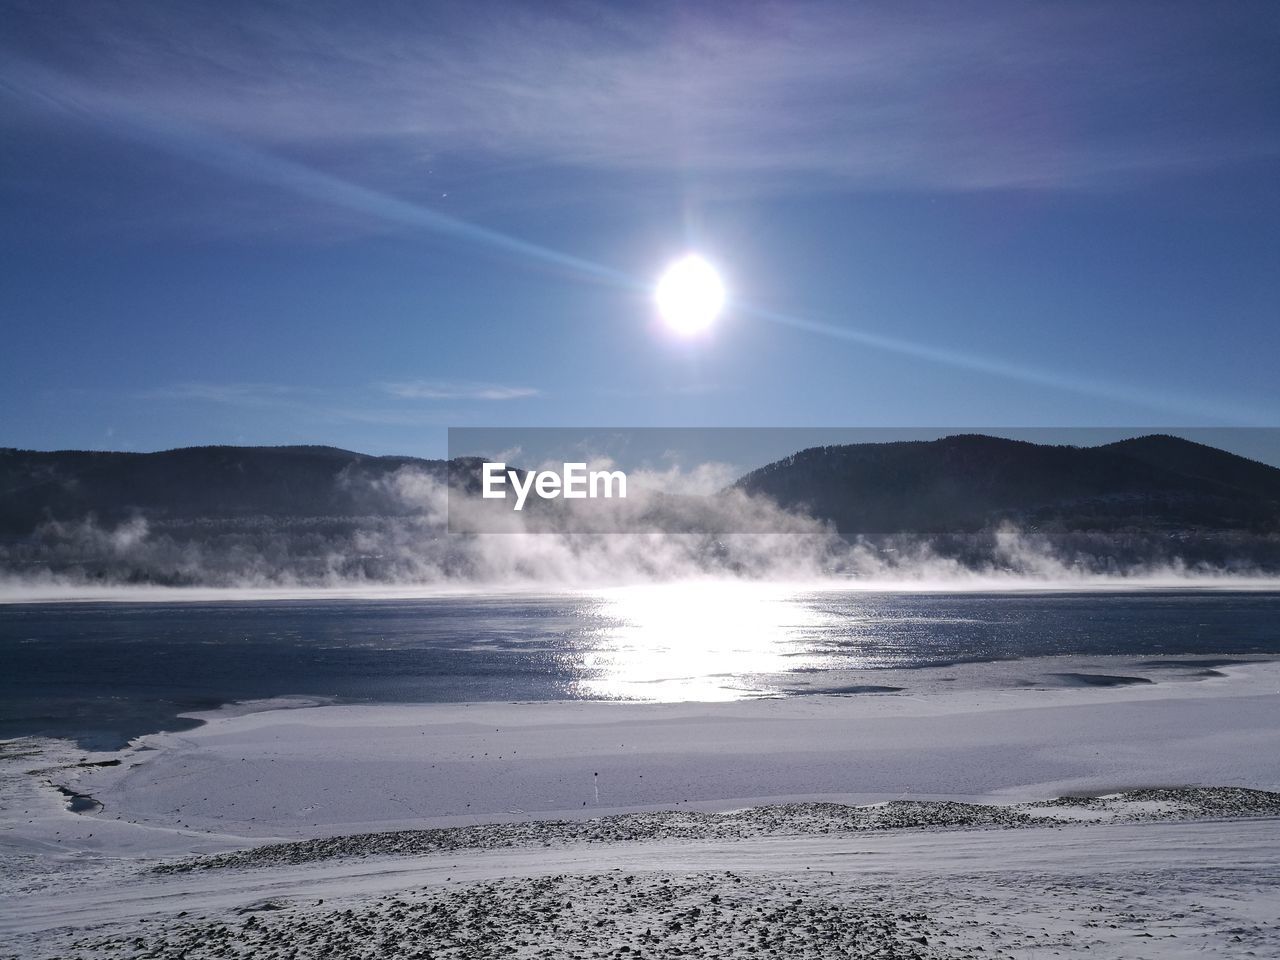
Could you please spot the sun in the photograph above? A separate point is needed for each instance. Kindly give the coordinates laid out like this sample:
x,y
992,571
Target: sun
x,y
690,295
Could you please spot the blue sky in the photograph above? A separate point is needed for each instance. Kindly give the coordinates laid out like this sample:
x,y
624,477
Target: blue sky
x,y
322,223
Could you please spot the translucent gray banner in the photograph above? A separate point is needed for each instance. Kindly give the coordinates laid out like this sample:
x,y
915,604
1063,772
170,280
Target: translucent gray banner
x,y
1221,482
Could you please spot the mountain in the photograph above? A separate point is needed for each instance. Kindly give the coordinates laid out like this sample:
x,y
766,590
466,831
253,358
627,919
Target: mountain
x,y
1198,460
195,483
969,482
960,483
230,515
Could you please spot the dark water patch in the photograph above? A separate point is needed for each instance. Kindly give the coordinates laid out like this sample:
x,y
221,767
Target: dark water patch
x,y
99,721
1097,680
79,802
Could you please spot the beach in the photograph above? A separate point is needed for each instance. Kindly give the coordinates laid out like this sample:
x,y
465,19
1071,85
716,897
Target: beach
x,y
917,819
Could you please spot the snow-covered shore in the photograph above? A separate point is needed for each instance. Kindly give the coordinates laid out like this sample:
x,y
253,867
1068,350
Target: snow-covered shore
x,y
1142,875
344,768
1154,889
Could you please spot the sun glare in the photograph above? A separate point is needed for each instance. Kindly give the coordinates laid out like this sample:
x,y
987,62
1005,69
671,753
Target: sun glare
x,y
697,641
690,295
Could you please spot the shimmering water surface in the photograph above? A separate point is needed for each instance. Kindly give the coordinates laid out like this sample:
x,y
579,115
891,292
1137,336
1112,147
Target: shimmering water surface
x,y
104,672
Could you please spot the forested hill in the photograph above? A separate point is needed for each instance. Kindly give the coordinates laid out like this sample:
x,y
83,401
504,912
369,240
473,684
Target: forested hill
x,y
973,482
956,484
196,483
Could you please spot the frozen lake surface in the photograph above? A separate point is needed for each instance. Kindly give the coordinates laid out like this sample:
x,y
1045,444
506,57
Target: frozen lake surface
x,y
104,672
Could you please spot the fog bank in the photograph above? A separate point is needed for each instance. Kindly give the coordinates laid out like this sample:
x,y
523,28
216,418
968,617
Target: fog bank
x,y
410,551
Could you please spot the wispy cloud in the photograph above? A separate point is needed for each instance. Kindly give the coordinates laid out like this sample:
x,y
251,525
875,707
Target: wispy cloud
x,y
457,390
953,98
233,394
382,404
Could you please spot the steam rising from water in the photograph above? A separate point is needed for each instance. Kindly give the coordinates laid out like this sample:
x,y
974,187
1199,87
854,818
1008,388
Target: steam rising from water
x,y
414,554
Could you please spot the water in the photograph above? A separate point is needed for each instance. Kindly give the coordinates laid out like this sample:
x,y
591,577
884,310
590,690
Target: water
x,y
105,672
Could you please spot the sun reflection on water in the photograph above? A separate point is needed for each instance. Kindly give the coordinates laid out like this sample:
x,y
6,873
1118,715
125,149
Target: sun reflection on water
x,y
700,641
